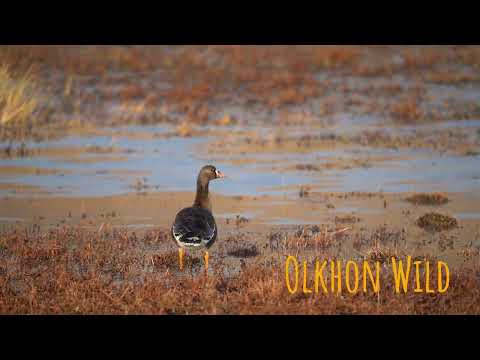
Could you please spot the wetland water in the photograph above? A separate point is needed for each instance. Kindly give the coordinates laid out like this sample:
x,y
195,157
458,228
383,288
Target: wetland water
x,y
106,165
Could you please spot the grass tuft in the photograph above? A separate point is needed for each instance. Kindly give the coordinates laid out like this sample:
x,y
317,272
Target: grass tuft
x,y
17,97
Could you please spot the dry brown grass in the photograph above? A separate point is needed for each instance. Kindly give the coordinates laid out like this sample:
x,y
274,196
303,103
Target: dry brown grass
x,y
72,271
170,260
18,100
197,73
192,83
451,77
421,58
381,254
82,60
469,55
407,110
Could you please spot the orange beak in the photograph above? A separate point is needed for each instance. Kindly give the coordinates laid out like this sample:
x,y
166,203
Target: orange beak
x,y
219,174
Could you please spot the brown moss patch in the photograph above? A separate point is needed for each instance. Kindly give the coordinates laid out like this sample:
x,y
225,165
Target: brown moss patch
x,y
246,252
428,199
436,222
346,219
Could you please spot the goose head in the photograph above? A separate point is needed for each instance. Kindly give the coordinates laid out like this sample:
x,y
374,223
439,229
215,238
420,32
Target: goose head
x,y
209,173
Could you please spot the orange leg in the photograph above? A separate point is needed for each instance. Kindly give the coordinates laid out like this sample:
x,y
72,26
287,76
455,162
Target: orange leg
x,y
206,261
181,252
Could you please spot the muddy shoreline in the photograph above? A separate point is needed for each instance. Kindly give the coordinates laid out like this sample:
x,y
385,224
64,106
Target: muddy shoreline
x,y
262,215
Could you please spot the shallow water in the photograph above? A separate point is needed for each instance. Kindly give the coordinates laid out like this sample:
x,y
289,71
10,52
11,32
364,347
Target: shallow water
x,y
468,215
171,163
423,174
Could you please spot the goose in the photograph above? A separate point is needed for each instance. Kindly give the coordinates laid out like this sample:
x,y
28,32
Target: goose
x,y
194,227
